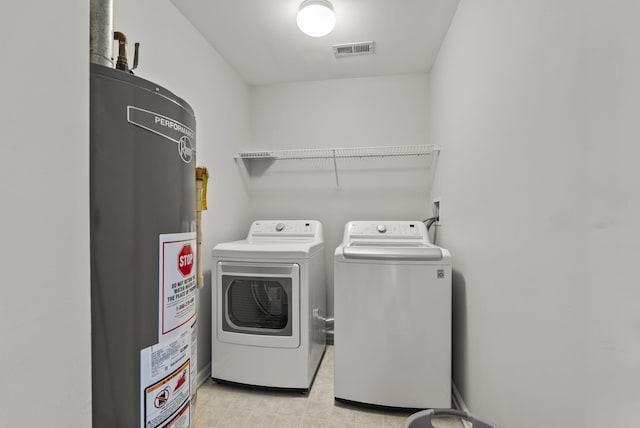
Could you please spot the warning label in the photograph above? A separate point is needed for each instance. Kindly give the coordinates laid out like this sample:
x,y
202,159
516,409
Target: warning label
x,y
165,356
177,281
181,420
167,380
168,368
168,396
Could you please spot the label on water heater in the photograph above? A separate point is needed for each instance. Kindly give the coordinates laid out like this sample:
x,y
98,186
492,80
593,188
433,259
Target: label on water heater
x,y
177,275
166,382
167,400
182,419
166,127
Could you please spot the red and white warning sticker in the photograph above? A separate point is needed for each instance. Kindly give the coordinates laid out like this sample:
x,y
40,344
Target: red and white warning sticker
x,y
166,381
177,276
166,402
182,419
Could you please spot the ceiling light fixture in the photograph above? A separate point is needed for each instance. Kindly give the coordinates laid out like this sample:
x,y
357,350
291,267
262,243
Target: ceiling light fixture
x,y
316,18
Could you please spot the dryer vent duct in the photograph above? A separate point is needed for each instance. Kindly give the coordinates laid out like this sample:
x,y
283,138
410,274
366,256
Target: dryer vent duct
x,y
351,49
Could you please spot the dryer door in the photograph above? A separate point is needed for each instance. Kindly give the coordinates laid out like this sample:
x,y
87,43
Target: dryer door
x,y
258,304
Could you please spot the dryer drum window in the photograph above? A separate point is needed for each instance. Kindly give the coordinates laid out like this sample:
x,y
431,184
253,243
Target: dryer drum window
x,y
256,305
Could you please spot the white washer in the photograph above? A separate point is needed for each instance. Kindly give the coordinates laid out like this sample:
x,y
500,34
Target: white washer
x,y
269,305
392,292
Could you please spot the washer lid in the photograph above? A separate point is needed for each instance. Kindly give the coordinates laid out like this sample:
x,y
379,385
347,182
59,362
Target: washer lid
x,y
399,253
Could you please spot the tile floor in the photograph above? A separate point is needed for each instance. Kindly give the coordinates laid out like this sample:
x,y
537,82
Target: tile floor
x,y
221,405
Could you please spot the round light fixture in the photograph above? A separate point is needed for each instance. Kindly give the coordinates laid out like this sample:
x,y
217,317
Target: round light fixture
x,y
316,18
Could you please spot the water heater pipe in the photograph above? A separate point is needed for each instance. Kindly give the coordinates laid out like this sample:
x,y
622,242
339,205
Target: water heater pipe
x,y
101,32
121,63
202,176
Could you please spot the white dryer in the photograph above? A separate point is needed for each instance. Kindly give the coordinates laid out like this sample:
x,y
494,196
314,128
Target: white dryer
x,y
392,292
269,305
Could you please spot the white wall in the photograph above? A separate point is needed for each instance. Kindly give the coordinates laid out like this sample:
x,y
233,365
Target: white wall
x,y
535,106
175,55
376,111
612,131
45,351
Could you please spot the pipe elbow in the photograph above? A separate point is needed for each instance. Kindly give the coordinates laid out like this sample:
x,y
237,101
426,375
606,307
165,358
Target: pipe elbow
x,y
121,63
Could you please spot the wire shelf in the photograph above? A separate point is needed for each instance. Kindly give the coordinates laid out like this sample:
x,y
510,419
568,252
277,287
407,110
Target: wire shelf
x,y
343,152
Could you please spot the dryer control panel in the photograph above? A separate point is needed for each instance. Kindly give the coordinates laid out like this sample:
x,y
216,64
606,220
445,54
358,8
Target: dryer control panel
x,y
285,229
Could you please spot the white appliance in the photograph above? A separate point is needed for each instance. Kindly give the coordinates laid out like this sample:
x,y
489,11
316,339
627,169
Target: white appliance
x,y
269,305
392,292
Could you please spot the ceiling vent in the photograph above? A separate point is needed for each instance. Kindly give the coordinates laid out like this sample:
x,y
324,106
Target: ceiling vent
x,y
351,49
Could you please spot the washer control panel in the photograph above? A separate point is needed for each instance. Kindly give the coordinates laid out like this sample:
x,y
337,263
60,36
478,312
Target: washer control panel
x,y
386,230
285,229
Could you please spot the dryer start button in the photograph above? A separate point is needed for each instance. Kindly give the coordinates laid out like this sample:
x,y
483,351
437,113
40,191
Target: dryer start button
x,y
279,227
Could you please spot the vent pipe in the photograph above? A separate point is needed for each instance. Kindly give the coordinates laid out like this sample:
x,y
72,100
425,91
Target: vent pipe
x,y
101,32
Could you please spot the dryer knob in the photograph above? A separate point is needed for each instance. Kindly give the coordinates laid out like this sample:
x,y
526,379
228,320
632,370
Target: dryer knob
x,y
279,227
382,228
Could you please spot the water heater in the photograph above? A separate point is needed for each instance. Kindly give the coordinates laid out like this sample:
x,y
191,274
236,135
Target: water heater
x,y
143,252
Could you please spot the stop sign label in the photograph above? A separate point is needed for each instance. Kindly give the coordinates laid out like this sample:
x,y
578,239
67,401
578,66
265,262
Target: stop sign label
x,y
185,260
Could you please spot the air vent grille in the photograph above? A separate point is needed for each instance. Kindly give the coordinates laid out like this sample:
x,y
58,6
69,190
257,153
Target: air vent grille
x,y
350,49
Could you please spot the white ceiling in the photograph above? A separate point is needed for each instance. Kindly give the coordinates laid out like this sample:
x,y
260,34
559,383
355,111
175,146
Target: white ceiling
x,y
261,40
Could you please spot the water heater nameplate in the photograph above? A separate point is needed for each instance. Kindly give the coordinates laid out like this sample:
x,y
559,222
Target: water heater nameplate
x,y
166,127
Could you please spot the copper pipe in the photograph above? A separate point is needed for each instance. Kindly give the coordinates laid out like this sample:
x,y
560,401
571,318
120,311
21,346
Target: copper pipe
x,y
121,63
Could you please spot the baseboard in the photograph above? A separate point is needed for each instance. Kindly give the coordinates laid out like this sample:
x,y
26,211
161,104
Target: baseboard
x,y
459,403
329,338
204,375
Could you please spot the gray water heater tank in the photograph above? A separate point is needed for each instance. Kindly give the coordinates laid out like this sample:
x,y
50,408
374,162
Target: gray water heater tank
x,y
142,168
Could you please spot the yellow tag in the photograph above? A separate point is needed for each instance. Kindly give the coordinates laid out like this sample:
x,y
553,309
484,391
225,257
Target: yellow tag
x,y
203,174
